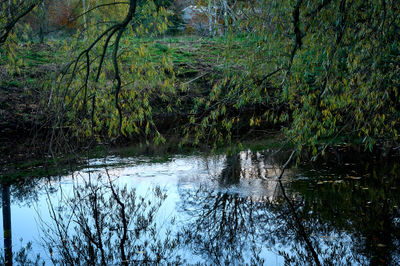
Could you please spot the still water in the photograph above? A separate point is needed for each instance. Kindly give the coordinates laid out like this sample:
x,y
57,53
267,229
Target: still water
x,y
206,210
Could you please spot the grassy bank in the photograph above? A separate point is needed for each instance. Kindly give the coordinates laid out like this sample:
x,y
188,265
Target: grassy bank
x,y
179,94
29,78
26,83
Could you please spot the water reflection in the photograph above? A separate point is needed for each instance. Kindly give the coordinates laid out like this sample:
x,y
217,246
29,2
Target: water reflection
x,y
235,228
224,226
364,205
339,221
106,224
6,206
223,210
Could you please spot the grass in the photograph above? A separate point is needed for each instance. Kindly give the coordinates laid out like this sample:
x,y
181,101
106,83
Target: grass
x,y
33,58
12,83
28,70
191,53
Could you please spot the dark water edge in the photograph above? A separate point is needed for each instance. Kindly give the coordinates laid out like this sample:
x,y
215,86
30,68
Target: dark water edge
x,y
221,209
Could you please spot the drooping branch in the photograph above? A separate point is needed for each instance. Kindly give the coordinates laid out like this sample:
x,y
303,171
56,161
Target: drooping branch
x,y
117,77
318,9
301,230
297,32
10,25
125,222
73,67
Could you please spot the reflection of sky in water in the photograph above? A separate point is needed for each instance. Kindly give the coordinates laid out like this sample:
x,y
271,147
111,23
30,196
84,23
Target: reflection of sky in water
x,y
173,177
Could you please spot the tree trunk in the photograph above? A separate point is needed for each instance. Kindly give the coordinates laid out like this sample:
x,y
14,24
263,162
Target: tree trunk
x,y
83,12
209,18
7,225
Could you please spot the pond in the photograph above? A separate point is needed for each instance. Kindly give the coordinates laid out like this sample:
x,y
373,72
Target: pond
x,y
206,210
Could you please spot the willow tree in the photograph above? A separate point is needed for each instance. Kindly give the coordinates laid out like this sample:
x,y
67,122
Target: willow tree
x,y
11,12
327,71
106,90
106,87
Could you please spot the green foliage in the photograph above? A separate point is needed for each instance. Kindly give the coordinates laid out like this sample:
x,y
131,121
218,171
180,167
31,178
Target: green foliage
x,y
329,74
86,97
344,78
325,72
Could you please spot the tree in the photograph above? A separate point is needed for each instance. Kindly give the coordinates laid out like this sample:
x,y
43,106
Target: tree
x,y
95,102
14,12
325,71
83,100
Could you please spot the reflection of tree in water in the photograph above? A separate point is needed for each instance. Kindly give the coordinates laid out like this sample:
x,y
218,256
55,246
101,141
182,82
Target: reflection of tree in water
x,y
26,189
228,227
353,220
230,174
22,191
223,227
103,224
301,234
6,208
364,204
249,165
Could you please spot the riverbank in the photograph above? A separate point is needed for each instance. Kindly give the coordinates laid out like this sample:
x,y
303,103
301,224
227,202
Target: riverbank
x,y
211,106
345,157
27,121
20,168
